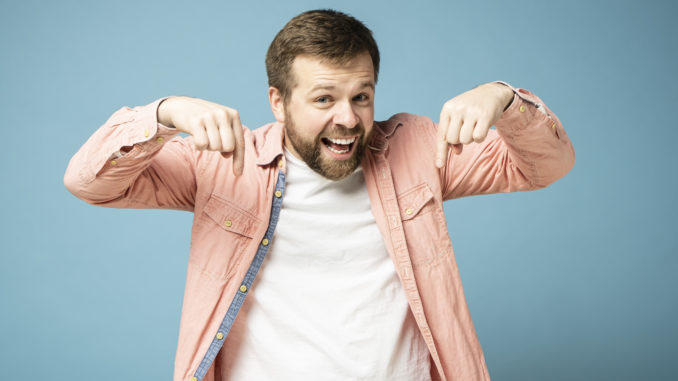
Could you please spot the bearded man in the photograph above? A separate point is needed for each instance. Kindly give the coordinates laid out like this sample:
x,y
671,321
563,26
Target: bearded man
x,y
319,245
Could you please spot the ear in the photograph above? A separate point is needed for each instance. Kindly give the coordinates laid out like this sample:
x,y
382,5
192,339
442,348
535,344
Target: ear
x,y
277,104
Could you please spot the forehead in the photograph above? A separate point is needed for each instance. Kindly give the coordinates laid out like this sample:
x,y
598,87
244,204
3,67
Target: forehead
x,y
310,71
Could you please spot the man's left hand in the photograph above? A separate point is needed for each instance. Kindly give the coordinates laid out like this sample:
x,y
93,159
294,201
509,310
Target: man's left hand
x,y
468,117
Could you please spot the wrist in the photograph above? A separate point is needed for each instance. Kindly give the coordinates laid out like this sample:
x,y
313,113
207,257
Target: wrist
x,y
164,114
505,94
511,92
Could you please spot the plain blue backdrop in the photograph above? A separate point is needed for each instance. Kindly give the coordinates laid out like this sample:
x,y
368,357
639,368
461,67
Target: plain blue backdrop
x,y
573,282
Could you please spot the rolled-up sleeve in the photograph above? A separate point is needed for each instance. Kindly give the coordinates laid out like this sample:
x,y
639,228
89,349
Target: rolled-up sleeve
x,y
156,170
528,150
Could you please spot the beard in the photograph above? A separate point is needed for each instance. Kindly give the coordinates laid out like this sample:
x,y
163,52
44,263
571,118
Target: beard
x,y
311,151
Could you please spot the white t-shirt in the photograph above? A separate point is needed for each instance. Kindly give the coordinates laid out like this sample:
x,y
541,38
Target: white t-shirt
x,y
327,303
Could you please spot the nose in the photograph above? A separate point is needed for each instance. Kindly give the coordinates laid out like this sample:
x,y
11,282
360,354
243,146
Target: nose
x,y
345,115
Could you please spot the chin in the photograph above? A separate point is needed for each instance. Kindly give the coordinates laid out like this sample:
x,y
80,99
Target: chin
x,y
336,169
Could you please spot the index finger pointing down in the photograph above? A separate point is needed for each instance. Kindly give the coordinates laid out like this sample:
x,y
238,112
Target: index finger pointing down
x,y
239,149
441,141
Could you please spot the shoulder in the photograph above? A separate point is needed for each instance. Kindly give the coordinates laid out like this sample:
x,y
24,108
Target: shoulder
x,y
265,142
407,142
406,128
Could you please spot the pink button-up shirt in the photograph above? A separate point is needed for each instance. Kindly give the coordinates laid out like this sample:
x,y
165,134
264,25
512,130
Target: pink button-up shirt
x,y
528,150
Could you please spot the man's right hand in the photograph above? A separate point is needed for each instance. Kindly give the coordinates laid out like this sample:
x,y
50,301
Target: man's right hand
x,y
214,127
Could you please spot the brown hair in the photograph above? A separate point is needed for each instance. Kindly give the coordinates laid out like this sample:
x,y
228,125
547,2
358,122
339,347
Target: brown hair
x,y
323,33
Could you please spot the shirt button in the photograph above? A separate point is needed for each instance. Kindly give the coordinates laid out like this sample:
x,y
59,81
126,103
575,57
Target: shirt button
x,y
220,336
409,211
114,162
228,223
522,108
160,139
264,241
243,288
278,194
146,133
194,378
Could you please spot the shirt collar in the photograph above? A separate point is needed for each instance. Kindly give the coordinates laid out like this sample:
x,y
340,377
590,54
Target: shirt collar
x,y
270,145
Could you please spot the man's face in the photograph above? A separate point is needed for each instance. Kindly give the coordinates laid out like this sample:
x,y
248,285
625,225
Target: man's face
x,y
330,113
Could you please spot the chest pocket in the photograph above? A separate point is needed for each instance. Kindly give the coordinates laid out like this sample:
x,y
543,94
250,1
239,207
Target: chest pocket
x,y
221,236
424,225
413,201
230,217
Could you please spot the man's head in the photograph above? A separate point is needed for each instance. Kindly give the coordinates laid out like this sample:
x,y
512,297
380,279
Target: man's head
x,y
322,68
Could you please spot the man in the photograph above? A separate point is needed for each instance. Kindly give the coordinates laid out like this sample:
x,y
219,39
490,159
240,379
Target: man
x,y
324,231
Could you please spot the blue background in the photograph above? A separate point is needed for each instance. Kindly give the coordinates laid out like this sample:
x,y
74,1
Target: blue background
x,y
573,282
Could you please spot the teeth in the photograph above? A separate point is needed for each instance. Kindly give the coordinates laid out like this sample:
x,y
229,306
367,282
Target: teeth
x,y
342,141
336,150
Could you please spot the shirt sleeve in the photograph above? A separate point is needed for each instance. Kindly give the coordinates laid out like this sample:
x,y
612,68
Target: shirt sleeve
x,y
157,172
528,150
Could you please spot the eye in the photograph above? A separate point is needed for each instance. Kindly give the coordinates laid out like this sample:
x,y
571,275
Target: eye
x,y
324,99
361,97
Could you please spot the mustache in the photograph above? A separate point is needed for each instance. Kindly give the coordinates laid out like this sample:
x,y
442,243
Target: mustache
x,y
342,132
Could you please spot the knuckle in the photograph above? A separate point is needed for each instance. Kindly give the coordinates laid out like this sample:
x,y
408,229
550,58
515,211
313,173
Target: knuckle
x,y
452,106
194,123
200,122
475,109
218,114
199,141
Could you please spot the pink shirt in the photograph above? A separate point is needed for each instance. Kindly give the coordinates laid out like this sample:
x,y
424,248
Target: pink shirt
x,y
528,150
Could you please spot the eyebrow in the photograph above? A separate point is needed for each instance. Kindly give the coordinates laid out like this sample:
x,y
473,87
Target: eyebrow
x,y
363,85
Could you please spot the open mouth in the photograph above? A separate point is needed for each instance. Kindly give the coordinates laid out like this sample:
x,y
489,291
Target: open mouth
x,y
339,146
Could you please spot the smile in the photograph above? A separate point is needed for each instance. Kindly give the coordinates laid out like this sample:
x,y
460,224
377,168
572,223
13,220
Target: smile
x,y
339,146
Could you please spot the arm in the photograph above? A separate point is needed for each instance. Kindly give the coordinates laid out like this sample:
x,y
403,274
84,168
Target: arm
x,y
132,161
528,150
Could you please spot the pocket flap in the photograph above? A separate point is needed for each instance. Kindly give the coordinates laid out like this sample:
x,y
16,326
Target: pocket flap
x,y
412,201
230,217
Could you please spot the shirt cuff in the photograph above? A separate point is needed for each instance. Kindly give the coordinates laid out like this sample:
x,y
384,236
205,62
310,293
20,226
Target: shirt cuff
x,y
524,95
145,130
526,110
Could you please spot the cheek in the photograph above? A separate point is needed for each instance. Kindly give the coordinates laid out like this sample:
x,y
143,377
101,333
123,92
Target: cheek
x,y
308,126
367,120
308,122
366,114
316,121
